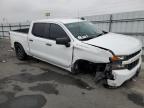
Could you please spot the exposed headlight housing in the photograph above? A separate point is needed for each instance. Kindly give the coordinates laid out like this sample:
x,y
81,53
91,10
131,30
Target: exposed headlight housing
x,y
117,62
122,57
118,66
117,58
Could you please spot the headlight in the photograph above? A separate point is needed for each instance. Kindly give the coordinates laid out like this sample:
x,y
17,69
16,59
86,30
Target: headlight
x,y
122,57
118,66
117,58
114,58
117,62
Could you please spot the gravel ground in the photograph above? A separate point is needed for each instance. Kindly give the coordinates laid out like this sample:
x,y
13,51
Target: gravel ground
x,y
36,84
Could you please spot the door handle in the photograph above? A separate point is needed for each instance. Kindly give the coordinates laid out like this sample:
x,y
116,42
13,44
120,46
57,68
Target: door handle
x,y
31,40
48,44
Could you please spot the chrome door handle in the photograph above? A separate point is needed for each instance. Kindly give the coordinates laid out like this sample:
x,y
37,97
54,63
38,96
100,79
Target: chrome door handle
x,y
31,40
48,44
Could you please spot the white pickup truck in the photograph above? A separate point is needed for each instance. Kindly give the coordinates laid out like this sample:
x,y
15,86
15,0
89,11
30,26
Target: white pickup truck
x,y
78,46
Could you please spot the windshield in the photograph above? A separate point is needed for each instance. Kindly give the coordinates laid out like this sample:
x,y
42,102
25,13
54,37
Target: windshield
x,y
83,30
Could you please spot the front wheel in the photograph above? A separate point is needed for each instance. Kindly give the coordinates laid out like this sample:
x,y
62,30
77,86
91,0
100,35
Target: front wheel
x,y
20,53
75,69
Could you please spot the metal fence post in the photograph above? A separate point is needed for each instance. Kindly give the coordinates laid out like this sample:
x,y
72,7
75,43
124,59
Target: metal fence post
x,y
110,23
2,30
20,25
10,27
10,30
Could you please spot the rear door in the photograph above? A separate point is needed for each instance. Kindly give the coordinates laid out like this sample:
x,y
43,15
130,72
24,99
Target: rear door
x,y
38,39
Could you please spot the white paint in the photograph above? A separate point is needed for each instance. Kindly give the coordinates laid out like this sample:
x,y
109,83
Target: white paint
x,y
61,55
120,44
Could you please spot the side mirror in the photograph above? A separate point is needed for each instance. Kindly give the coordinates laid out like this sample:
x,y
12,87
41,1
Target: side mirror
x,y
63,41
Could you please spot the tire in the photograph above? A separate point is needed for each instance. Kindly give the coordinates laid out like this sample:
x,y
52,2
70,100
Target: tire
x,y
20,53
99,76
75,69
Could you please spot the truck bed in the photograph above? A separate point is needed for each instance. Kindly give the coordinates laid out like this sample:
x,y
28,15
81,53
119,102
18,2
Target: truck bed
x,y
25,31
20,36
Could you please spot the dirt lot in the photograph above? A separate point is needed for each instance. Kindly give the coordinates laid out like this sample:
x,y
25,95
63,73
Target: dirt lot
x,y
36,84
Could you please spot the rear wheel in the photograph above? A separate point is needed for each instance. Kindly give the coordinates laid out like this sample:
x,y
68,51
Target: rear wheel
x,y
20,53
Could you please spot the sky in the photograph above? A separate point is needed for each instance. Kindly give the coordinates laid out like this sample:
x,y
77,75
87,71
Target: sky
x,y
27,10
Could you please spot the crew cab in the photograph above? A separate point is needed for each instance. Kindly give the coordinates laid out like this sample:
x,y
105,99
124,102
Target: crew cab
x,y
78,46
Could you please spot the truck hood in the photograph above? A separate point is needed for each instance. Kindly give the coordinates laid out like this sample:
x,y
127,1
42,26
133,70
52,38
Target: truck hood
x,y
118,43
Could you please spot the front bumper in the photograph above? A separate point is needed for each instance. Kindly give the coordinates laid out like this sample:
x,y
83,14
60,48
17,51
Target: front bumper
x,y
120,76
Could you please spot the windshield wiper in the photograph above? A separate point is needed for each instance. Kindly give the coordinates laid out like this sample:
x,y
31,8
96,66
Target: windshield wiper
x,y
103,32
99,34
87,38
91,37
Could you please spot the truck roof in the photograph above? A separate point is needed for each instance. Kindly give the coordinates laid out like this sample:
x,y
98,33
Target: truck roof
x,y
64,21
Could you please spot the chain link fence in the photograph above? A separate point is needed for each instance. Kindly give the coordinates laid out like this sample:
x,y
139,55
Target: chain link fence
x,y
5,28
130,23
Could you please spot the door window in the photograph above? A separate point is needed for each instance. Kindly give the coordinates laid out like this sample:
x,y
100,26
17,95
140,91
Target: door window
x,y
41,30
57,32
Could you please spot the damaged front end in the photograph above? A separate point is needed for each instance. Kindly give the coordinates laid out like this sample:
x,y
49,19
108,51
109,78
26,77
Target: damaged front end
x,y
114,64
106,74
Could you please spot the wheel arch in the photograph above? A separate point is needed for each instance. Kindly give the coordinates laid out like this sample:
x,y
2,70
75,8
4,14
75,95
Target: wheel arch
x,y
18,43
88,64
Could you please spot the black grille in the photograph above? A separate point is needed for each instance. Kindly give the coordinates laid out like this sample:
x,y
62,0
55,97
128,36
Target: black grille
x,y
132,65
132,55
